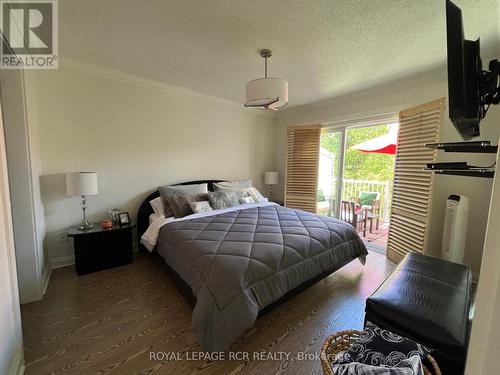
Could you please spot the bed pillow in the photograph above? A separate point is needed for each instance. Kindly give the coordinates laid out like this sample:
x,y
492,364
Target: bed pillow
x,y
167,190
201,206
232,185
246,200
224,199
158,206
179,202
245,192
255,194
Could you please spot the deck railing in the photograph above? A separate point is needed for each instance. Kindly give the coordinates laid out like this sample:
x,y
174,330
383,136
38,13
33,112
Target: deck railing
x,y
352,189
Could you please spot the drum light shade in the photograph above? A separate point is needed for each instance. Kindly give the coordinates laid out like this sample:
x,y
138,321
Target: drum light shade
x,y
81,183
271,178
267,92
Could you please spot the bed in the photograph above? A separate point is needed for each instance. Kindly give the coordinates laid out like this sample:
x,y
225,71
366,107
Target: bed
x,y
235,264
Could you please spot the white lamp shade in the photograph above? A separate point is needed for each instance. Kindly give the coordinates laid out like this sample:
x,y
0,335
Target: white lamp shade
x,y
81,183
271,178
263,91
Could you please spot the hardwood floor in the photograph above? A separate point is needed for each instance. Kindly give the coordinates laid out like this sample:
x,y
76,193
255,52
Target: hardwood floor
x,y
108,323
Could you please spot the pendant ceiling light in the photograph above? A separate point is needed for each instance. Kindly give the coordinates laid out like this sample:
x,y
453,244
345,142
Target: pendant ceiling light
x,y
267,93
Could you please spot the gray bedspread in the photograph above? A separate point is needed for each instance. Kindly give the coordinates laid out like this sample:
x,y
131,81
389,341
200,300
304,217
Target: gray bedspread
x,y
237,263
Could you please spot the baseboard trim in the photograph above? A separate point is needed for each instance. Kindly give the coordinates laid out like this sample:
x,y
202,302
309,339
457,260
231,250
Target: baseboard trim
x,y
475,277
59,262
47,279
17,365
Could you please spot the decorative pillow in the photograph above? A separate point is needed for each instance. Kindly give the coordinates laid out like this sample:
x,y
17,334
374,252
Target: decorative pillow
x,y
167,190
232,185
367,198
224,199
179,202
247,200
379,347
255,194
202,206
245,192
158,205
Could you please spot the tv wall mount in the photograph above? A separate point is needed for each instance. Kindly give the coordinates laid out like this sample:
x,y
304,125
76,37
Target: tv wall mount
x,y
489,87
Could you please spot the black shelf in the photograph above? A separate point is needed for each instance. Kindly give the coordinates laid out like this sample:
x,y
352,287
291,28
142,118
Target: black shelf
x,y
476,150
485,173
483,147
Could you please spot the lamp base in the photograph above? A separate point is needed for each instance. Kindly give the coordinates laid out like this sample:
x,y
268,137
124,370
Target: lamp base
x,y
85,226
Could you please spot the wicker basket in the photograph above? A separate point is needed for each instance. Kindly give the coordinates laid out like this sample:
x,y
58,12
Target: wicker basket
x,y
342,341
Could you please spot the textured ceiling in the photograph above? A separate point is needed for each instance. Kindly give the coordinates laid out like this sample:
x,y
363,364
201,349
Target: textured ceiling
x,y
324,48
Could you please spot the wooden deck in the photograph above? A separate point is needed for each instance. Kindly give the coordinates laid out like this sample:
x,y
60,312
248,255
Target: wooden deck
x,y
109,322
377,240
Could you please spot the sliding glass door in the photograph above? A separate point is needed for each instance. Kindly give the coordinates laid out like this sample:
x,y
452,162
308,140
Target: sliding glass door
x,y
331,163
355,177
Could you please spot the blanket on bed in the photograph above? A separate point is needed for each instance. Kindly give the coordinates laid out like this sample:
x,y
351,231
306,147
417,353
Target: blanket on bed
x,y
236,263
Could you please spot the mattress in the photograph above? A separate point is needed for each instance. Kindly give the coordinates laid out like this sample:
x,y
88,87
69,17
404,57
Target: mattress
x,y
238,262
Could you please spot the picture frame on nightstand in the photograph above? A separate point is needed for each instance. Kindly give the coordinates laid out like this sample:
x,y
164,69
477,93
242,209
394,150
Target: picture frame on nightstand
x,y
113,214
123,219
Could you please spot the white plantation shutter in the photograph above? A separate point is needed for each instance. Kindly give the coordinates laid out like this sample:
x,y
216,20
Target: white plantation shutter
x,y
411,201
302,161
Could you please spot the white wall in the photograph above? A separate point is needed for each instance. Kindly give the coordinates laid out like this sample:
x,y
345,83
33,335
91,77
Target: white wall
x,y
483,355
485,338
136,134
378,102
27,210
11,345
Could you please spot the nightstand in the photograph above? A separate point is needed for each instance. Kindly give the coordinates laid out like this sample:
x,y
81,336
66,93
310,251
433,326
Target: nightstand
x,y
97,249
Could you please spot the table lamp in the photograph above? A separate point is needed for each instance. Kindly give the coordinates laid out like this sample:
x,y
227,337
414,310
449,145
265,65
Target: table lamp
x,y
82,184
271,178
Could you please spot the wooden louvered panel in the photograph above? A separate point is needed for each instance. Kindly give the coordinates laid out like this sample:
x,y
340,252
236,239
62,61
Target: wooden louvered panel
x,y
420,125
411,182
302,161
412,191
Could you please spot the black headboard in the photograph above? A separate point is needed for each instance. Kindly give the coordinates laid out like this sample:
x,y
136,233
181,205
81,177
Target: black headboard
x,y
145,209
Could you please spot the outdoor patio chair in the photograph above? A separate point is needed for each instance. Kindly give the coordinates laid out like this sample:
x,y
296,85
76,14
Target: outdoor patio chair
x,y
374,214
351,214
366,198
369,201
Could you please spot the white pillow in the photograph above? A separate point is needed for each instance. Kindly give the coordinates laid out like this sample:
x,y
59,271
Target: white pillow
x,y
158,205
248,199
232,185
255,194
203,206
246,191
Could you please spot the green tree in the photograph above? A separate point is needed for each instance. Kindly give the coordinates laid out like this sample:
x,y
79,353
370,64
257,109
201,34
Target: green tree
x,y
361,165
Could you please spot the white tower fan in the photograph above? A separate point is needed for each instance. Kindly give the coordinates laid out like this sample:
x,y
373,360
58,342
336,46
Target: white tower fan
x,y
455,228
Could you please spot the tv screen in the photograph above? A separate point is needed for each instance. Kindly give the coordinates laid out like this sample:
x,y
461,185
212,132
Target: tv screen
x,y
464,69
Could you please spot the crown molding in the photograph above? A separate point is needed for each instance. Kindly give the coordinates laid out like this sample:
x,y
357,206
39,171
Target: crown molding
x,y
80,66
436,76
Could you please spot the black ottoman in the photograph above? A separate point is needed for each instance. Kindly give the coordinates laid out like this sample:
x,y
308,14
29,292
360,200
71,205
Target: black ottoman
x,y
428,300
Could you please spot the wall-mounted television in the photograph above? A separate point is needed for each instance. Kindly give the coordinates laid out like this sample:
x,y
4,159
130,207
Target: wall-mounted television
x,y
471,90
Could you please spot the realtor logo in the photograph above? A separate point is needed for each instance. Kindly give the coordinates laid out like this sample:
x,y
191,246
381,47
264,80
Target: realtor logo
x,y
29,34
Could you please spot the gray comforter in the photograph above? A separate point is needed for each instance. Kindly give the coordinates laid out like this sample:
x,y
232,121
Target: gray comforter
x,y
237,263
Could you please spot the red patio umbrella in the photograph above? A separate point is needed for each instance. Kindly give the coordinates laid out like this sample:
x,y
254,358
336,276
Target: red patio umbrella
x,y
383,144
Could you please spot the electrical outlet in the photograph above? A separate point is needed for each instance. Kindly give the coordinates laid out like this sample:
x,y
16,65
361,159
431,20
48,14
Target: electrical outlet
x,y
63,237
